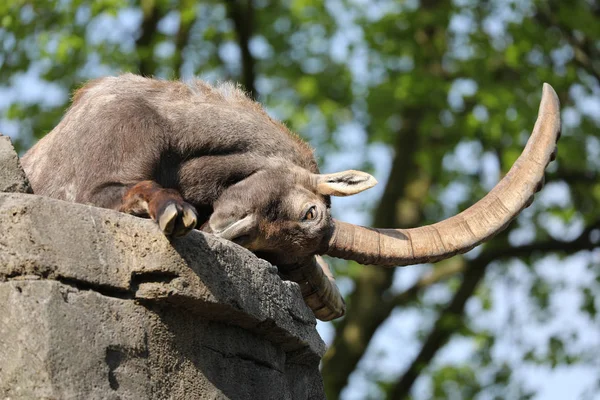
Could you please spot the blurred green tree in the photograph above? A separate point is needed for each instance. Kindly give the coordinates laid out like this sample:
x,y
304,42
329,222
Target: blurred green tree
x,y
439,96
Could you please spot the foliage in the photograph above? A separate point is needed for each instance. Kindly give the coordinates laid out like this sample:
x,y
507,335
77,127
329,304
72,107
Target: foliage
x,y
438,96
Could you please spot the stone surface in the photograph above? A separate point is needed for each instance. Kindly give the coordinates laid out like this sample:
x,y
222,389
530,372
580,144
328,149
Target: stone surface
x,y
60,342
96,304
12,177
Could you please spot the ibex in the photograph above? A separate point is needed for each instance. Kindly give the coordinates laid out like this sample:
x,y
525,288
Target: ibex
x,y
190,154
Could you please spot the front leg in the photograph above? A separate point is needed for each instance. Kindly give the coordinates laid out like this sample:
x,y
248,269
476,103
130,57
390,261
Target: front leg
x,y
174,216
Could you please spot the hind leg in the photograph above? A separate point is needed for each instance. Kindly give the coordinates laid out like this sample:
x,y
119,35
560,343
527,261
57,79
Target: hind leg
x,y
174,216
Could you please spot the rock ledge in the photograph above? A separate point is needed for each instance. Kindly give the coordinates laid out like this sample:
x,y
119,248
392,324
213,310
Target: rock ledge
x,y
98,304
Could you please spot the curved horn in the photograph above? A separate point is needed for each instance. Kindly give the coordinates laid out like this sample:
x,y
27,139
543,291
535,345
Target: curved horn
x,y
476,224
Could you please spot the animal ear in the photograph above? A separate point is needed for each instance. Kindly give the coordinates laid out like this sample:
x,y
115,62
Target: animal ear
x,y
237,230
344,183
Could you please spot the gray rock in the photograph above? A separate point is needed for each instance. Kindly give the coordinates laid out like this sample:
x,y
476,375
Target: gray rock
x,y
62,342
12,177
98,304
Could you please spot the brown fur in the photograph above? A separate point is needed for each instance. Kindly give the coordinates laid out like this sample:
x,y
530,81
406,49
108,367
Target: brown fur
x,y
197,139
148,198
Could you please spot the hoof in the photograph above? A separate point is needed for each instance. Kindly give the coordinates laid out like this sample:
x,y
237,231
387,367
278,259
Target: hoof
x,y
177,218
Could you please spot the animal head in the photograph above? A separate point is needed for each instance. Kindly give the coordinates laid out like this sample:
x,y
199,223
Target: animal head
x,y
283,213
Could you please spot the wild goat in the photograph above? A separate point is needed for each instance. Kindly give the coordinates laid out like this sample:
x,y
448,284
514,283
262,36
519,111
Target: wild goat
x,y
193,154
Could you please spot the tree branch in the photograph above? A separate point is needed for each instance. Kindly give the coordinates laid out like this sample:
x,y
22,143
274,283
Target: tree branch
x,y
368,309
442,330
187,18
571,177
582,51
351,354
444,327
450,318
356,329
143,44
446,270
241,13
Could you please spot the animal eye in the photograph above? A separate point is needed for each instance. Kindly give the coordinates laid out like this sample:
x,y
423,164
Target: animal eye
x,y
310,214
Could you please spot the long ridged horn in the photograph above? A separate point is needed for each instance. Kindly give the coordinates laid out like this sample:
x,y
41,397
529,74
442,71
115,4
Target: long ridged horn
x,y
318,287
459,234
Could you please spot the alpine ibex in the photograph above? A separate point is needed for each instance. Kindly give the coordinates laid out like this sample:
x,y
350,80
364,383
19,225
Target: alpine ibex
x,y
190,154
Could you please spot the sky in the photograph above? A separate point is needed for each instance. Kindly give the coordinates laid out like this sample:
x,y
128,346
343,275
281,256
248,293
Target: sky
x,y
395,344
